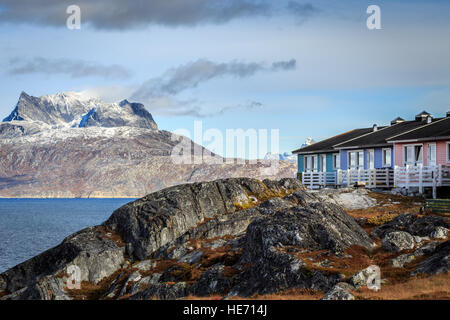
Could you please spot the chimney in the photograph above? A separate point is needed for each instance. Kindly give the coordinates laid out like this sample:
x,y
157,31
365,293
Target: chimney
x,y
397,120
375,127
423,116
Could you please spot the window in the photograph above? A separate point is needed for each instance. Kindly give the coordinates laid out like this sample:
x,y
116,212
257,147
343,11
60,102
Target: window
x,y
371,159
356,160
448,152
310,163
336,161
413,154
387,157
432,154
323,162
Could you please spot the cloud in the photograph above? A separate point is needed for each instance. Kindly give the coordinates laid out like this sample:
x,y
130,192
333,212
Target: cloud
x,y
119,14
74,68
169,106
192,74
302,11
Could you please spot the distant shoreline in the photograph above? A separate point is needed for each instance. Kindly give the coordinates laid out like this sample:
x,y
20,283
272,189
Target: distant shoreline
x,y
63,198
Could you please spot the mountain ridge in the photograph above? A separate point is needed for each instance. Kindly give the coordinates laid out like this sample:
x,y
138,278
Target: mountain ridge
x,y
65,147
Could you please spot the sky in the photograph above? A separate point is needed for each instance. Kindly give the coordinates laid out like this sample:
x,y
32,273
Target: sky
x,y
309,69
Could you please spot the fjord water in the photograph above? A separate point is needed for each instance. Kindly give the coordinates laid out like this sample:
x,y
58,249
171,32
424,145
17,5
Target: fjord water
x,y
31,226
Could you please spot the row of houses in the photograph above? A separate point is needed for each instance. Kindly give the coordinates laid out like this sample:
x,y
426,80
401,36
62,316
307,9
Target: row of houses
x,y
404,154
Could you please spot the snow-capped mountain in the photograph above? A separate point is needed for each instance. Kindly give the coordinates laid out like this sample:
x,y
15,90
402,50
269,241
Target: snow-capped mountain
x,y
308,142
281,156
66,146
71,110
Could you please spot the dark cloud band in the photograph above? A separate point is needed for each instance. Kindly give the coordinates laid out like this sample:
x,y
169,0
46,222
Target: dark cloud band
x,y
119,14
73,68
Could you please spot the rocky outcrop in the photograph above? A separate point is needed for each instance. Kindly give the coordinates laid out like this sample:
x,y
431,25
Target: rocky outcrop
x,y
416,226
233,237
438,262
397,241
339,292
96,252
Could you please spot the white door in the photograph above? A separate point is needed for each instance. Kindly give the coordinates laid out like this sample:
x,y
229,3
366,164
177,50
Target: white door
x,y
432,154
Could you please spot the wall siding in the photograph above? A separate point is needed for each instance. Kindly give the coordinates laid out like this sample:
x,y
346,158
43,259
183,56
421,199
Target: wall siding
x,y
344,164
300,163
330,163
441,152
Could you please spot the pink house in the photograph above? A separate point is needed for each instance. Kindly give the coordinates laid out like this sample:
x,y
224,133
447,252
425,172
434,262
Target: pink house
x,y
428,145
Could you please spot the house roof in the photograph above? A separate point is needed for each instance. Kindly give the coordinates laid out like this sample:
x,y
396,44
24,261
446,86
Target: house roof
x,y
327,144
380,137
439,129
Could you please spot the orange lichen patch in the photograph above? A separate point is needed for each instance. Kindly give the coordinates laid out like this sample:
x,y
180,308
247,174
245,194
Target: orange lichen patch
x,y
431,287
107,233
381,219
255,199
389,204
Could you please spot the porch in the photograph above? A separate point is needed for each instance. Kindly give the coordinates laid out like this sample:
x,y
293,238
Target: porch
x,y
370,178
422,177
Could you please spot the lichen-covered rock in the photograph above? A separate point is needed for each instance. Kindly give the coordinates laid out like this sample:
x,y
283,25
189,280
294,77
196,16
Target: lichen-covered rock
x,y
362,278
339,292
397,241
439,233
96,254
161,217
401,260
410,223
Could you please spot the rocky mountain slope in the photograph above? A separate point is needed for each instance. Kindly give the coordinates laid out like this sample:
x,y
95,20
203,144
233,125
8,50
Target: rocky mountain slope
x,y
232,237
64,146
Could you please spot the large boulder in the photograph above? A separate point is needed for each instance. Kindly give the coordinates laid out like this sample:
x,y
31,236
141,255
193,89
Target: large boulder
x,y
438,262
339,292
93,250
397,241
161,217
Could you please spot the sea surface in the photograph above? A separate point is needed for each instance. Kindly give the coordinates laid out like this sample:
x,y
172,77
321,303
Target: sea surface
x,y
31,226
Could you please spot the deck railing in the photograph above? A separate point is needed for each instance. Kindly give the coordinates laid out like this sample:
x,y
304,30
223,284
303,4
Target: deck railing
x,y
406,177
422,177
371,178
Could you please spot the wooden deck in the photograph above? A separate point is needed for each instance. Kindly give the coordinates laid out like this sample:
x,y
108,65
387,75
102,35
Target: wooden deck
x,y
399,177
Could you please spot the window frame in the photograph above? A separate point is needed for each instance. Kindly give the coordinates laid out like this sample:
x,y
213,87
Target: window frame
x,y
383,163
405,160
448,151
314,164
357,157
429,144
336,159
368,158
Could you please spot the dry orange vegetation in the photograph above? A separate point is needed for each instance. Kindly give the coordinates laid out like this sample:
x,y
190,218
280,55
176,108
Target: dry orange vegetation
x,y
433,287
388,204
